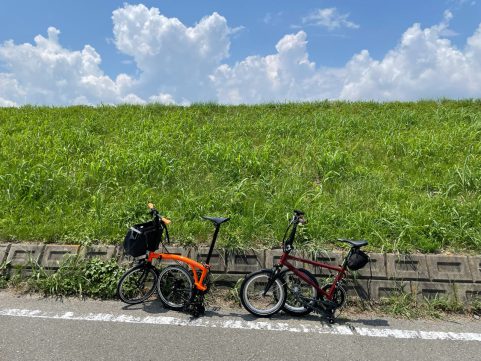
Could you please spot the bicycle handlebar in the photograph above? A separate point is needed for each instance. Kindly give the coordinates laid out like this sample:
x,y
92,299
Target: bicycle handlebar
x,y
159,220
297,218
155,213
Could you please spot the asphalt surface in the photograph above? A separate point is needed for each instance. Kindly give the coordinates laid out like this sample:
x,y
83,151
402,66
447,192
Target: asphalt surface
x,y
34,328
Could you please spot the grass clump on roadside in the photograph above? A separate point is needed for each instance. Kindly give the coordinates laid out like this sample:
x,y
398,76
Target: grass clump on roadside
x,y
76,276
405,176
3,276
406,305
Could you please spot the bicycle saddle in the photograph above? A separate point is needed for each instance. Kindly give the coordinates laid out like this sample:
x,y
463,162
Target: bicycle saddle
x,y
217,220
353,243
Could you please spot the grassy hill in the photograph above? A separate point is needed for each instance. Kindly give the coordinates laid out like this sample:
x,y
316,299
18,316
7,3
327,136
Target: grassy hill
x,y
405,176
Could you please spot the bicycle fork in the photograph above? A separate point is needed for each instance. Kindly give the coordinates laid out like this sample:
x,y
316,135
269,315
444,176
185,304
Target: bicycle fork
x,y
272,279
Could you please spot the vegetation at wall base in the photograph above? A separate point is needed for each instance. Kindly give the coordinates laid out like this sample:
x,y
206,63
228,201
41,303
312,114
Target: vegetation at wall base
x,y
95,278
76,276
405,176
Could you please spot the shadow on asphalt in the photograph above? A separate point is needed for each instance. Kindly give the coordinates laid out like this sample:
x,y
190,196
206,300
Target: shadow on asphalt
x,y
156,307
364,322
148,307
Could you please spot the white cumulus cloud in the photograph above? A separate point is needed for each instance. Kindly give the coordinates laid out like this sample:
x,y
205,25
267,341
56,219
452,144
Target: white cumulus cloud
x,y
47,73
281,76
180,64
423,65
175,60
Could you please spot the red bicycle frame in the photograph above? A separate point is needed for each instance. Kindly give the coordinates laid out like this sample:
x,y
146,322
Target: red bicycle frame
x,y
341,272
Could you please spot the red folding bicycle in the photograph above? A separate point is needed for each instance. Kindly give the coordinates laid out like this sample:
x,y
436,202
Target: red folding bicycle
x,y
295,290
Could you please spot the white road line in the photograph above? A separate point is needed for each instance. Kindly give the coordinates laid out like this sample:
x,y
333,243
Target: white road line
x,y
245,325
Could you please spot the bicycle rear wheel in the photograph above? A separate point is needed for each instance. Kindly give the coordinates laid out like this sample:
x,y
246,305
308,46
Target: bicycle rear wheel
x,y
299,293
339,297
137,284
175,287
259,301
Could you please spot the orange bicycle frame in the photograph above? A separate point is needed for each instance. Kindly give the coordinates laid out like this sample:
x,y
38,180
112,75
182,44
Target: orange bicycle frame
x,y
195,266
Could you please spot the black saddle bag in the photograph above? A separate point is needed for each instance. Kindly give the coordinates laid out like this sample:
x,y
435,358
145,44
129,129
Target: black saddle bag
x,y
357,260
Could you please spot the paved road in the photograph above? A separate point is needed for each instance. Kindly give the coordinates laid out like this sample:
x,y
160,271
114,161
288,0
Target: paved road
x,y
32,328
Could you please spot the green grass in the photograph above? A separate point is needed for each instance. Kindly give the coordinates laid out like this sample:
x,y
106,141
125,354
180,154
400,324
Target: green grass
x,y
405,176
405,305
408,306
76,276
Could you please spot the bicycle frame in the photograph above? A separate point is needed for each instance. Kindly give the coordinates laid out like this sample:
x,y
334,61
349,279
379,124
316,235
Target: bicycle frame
x,y
198,281
195,266
341,272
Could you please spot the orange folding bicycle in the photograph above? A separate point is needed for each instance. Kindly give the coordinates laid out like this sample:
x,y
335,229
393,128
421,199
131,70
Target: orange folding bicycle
x,y
181,286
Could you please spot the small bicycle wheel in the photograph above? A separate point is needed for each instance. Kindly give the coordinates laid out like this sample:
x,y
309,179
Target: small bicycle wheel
x,y
254,297
175,286
339,297
137,284
299,293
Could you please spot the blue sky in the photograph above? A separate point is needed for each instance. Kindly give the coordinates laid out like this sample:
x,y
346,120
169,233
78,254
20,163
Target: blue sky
x,y
258,51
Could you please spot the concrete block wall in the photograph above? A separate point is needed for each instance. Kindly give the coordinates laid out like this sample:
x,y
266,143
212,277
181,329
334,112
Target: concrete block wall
x,y
102,252
24,254
449,268
407,267
244,262
475,266
4,252
426,276
218,261
53,255
376,269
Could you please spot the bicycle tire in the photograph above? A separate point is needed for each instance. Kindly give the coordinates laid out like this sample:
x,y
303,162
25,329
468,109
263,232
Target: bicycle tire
x,y
252,293
294,284
175,287
137,284
339,297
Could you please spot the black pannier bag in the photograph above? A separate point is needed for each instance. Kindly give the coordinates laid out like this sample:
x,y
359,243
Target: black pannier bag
x,y
357,260
142,238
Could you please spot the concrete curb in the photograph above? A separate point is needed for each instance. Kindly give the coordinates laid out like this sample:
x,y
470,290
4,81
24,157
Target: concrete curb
x,y
425,276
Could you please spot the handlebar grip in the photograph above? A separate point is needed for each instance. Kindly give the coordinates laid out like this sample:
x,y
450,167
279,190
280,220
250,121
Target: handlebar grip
x,y
165,220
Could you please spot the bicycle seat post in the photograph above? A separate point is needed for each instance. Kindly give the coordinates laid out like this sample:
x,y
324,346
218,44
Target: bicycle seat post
x,y
214,239
217,222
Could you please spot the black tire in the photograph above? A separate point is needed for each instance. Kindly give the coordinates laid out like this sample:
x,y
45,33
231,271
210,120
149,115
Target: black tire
x,y
294,284
252,293
175,287
137,284
339,297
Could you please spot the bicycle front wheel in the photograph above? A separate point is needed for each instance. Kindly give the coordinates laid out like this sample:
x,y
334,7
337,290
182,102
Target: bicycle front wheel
x,y
137,284
257,299
175,287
